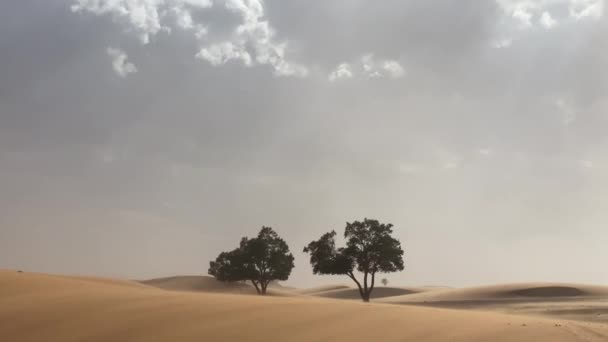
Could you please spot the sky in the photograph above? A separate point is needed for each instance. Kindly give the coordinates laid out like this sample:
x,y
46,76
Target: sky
x,y
140,138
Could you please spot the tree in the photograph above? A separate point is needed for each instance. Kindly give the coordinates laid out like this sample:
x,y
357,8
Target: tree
x,y
370,249
384,281
260,260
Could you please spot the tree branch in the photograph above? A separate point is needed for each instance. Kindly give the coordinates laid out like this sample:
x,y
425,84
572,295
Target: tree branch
x,y
352,276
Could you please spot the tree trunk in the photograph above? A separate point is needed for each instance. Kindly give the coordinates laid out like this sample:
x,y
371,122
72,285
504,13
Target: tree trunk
x,y
352,276
257,288
264,287
366,291
371,288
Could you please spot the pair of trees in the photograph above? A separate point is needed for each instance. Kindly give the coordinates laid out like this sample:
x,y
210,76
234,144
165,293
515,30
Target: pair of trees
x,y
370,250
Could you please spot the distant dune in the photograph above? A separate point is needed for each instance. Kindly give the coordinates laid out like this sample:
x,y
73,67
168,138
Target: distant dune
x,y
529,291
198,283
35,307
379,292
320,289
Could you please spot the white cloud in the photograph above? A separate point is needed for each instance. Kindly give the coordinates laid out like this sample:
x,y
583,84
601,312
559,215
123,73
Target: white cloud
x,y
219,54
144,17
253,41
256,34
120,62
547,21
184,20
343,71
373,68
523,13
393,69
368,66
521,10
580,9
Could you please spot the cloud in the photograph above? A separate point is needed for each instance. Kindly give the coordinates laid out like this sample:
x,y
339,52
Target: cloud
x,y
369,67
393,69
521,10
256,34
219,54
120,62
526,11
253,41
547,21
144,17
523,13
580,9
185,21
343,71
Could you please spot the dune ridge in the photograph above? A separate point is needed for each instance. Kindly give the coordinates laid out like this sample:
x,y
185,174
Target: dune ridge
x,y
514,292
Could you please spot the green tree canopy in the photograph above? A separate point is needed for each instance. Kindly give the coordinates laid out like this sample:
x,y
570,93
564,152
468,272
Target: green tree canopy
x,y
260,260
370,249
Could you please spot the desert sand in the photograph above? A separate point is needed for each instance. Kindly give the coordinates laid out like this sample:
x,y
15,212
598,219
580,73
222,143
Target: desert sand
x,y
567,301
38,307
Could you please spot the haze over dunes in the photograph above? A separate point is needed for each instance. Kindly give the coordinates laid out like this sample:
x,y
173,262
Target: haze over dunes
x,y
36,307
210,284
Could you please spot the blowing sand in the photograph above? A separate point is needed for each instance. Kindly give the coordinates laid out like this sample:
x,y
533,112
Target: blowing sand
x,y
35,307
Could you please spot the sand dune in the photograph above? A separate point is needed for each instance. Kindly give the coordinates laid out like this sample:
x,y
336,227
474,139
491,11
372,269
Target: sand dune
x,y
320,289
379,292
518,292
37,307
557,301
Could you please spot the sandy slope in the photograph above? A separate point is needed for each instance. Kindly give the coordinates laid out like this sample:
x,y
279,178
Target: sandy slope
x,y
525,292
557,301
51,308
